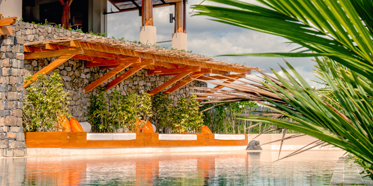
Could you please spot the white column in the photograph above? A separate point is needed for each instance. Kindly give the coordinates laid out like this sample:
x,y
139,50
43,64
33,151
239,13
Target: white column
x,y
180,41
148,35
11,8
97,21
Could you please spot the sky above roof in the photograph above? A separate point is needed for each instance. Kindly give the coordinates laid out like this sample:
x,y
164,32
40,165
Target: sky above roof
x,y
212,38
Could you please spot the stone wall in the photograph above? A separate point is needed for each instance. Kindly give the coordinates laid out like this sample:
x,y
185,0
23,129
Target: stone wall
x,y
14,69
76,77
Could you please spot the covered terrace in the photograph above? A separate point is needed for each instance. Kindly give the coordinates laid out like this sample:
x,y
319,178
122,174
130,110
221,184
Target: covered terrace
x,y
119,55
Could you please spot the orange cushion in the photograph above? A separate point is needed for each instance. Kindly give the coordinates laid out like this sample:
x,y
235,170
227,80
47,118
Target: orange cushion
x,y
138,129
75,126
63,123
148,127
206,130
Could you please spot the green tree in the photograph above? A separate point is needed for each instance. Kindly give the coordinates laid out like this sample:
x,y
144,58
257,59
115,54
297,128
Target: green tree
x,y
44,102
187,116
163,109
118,113
98,114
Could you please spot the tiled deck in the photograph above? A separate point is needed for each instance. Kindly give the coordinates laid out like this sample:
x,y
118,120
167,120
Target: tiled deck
x,y
348,174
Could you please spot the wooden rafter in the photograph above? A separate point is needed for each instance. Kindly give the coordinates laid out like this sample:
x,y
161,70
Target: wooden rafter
x,y
217,77
56,53
113,62
33,49
172,70
170,82
62,59
6,31
232,79
187,80
227,81
7,21
160,58
107,76
129,73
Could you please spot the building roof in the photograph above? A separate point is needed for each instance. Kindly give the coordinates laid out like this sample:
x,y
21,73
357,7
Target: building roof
x,y
123,5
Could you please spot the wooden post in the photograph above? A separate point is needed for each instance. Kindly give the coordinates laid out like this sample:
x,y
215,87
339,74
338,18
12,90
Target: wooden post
x,y
65,21
147,13
179,11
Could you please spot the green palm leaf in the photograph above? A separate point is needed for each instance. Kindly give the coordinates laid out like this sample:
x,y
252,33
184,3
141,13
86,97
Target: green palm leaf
x,y
337,29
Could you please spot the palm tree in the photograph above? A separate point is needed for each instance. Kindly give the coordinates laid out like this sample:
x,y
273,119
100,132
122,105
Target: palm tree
x,y
339,34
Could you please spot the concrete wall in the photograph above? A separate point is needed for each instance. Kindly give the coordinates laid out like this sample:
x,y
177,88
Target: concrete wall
x,y
290,144
12,8
97,21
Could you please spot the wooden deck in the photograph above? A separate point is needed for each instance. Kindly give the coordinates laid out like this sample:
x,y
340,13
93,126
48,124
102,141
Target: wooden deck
x,y
79,140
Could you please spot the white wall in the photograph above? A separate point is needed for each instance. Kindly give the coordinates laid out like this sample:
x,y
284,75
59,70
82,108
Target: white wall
x,y
290,144
12,8
97,21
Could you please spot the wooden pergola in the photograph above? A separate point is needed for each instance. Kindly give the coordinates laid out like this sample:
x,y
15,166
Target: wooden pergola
x,y
118,55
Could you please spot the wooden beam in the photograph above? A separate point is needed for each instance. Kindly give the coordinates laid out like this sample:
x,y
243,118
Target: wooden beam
x,y
107,76
100,54
173,70
27,49
158,58
33,49
217,77
66,13
49,68
186,81
6,31
220,86
169,82
179,17
227,81
114,62
56,53
129,73
147,12
49,46
167,65
7,21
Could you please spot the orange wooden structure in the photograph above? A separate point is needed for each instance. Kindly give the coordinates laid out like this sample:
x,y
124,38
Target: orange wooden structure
x,y
4,22
79,140
109,53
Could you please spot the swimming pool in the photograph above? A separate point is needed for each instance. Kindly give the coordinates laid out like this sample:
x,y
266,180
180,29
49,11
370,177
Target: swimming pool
x,y
220,168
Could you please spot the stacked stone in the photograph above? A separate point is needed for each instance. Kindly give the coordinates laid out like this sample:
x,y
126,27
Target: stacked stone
x,y
12,139
76,77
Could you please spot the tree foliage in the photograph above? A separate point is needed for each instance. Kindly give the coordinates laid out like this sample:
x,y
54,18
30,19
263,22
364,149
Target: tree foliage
x,y
118,112
186,115
163,111
222,117
44,101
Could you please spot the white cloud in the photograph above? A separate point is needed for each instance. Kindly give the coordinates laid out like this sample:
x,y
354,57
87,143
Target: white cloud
x,y
212,38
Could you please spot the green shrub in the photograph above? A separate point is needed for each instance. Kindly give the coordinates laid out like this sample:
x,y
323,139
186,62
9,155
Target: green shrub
x,y
98,111
162,108
186,115
119,111
45,100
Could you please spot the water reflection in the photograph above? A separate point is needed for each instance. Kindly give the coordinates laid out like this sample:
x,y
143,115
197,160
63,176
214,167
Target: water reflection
x,y
229,168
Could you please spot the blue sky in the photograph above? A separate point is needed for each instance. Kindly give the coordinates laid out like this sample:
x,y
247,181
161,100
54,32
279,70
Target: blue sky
x,y
212,38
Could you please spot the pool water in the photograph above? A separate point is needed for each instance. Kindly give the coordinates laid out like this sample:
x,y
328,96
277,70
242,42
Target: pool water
x,y
218,168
